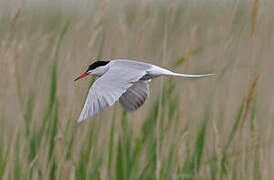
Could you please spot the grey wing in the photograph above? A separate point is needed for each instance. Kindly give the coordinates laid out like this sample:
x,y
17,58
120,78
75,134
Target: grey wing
x,y
108,88
135,96
130,64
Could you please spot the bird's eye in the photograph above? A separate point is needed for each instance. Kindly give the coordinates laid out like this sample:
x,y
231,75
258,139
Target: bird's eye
x,y
88,71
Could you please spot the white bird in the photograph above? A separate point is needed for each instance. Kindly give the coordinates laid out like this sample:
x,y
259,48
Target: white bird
x,y
123,80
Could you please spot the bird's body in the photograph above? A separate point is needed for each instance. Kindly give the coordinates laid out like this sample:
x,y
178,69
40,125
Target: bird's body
x,y
123,80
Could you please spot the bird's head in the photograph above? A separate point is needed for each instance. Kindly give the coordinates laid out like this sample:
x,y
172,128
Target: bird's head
x,y
97,68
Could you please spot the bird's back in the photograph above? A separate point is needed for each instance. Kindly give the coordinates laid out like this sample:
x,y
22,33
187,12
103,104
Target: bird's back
x,y
130,64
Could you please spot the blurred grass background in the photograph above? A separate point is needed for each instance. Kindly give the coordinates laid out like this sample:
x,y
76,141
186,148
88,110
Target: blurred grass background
x,y
211,128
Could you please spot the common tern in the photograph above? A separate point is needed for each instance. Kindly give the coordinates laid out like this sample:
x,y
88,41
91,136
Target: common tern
x,y
123,80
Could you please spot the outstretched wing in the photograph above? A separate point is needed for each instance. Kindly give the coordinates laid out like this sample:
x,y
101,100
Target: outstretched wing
x,y
108,88
135,96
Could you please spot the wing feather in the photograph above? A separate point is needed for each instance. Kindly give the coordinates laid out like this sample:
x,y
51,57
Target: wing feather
x,y
108,88
135,96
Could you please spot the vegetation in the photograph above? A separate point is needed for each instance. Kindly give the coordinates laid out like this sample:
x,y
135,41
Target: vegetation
x,y
209,128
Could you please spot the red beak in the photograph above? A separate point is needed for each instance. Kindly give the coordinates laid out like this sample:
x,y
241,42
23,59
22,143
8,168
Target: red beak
x,y
82,76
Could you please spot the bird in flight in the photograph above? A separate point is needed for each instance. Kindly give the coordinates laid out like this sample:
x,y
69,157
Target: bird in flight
x,y
123,80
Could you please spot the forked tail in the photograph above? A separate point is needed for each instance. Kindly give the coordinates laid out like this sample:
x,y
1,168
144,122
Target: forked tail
x,y
192,75
158,71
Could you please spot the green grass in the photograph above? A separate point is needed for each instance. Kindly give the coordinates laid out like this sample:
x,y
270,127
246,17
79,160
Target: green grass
x,y
185,130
